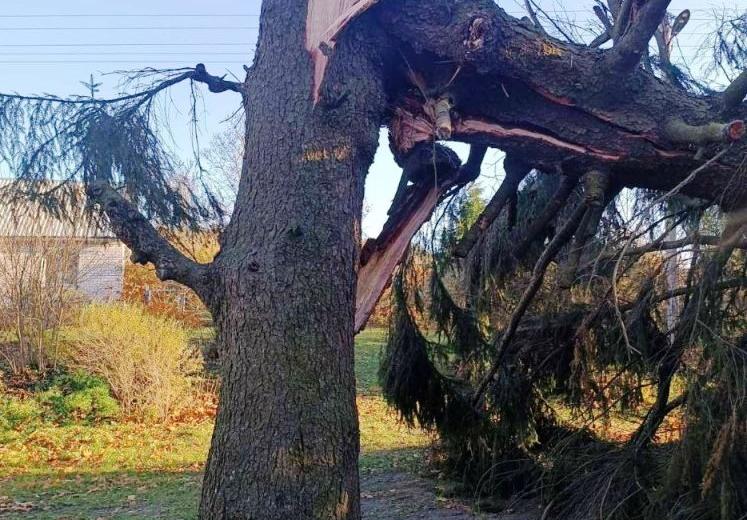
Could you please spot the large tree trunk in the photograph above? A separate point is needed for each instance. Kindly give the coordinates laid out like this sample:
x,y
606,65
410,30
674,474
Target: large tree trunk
x,y
286,440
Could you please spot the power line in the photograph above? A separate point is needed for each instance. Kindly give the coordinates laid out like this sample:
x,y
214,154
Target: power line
x,y
121,28
102,62
113,15
256,15
156,53
138,44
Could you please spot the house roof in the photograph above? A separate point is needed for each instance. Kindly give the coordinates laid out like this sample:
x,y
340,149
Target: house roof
x,y
23,217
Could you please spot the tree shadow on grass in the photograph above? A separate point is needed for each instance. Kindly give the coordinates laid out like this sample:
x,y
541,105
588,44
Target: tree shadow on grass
x,y
114,495
174,495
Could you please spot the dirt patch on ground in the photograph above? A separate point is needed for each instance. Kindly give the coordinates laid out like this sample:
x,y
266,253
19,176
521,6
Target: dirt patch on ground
x,y
401,496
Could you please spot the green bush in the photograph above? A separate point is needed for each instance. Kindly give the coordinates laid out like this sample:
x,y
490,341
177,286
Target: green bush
x,y
78,396
15,412
146,360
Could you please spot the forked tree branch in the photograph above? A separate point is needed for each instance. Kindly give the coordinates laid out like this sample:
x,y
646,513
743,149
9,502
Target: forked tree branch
x,y
147,244
625,56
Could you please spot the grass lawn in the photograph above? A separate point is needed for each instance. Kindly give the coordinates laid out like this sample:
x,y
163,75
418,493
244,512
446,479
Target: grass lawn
x,y
136,471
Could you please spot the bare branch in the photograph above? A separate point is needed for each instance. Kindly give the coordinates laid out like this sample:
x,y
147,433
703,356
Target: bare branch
x,y
516,170
147,244
533,16
603,18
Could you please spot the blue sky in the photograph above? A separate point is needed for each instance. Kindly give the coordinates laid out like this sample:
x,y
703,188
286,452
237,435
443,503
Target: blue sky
x,y
41,52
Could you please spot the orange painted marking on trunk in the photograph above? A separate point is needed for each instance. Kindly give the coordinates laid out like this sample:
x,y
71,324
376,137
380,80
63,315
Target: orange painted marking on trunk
x,y
338,153
324,22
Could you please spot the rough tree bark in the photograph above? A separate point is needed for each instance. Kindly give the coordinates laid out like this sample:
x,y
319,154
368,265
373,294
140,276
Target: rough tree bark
x,y
286,438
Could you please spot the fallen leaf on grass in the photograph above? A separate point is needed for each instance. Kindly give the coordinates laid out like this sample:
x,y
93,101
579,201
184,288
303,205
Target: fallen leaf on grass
x,y
7,505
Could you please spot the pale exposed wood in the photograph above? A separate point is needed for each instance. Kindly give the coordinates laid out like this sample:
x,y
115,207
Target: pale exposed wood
x,y
325,20
376,273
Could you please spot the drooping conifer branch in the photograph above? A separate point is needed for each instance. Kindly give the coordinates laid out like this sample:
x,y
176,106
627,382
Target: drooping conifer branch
x,y
502,342
689,322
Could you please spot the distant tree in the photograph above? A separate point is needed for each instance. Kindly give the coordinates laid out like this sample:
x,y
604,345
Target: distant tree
x,y
467,209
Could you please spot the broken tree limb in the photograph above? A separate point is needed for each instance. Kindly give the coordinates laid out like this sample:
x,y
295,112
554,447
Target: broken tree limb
x,y
382,256
324,22
410,210
680,132
516,170
147,244
546,100
631,44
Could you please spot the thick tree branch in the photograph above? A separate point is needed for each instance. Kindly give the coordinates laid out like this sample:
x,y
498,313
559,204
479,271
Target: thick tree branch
x,y
678,131
533,16
516,170
215,84
629,49
598,194
147,244
556,203
547,101
471,169
735,92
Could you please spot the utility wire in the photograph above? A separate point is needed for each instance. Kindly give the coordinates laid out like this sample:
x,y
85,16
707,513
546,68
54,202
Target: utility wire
x,y
256,15
138,44
136,28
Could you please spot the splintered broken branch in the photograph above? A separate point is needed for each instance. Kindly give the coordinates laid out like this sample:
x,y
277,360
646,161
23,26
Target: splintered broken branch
x,y
411,208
